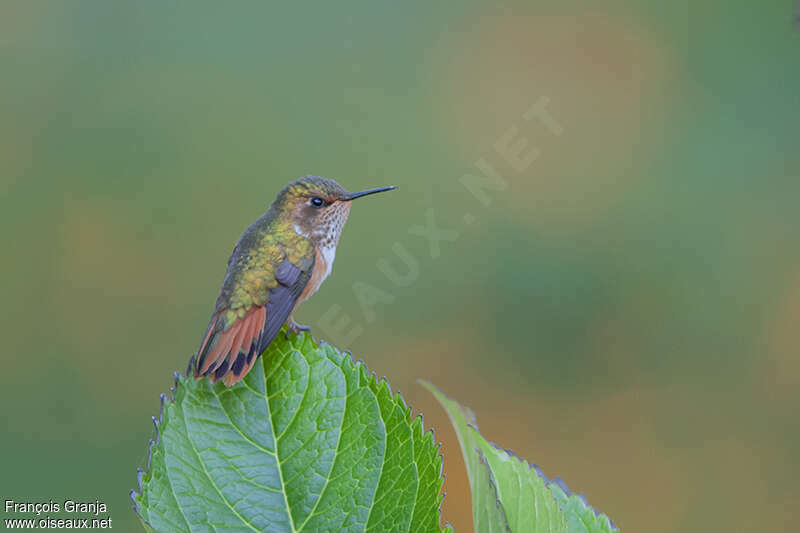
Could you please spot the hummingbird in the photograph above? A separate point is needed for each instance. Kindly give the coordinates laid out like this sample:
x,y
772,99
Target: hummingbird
x,y
277,264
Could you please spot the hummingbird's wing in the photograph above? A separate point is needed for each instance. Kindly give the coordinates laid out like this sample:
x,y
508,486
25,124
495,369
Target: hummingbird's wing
x,y
237,336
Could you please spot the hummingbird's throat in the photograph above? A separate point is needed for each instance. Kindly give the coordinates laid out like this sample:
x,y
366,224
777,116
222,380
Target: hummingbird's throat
x,y
325,227
329,224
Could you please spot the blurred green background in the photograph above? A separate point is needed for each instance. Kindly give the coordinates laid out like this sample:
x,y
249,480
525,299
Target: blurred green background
x,y
626,313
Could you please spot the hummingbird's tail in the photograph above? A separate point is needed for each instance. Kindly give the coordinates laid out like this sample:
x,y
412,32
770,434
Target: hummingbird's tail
x,y
228,353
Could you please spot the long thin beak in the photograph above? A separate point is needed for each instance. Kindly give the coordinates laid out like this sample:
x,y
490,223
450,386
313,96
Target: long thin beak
x,y
354,195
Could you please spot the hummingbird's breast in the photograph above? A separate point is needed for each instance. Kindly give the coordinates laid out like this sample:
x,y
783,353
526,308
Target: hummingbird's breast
x,y
323,262
326,237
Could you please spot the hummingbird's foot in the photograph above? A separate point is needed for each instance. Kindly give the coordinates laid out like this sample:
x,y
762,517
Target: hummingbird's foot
x,y
295,328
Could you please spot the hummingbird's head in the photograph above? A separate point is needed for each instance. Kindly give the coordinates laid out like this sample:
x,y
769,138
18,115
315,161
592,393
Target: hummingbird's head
x,y
317,207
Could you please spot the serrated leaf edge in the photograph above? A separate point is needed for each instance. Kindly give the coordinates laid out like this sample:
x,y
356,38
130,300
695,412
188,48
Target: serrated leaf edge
x,y
358,364
140,473
559,482
493,486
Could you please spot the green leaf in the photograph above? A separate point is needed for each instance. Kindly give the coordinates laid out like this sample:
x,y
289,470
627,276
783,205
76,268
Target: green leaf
x,y
531,502
489,513
581,518
308,441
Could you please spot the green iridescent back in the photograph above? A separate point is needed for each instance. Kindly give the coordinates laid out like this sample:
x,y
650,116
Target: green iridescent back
x,y
265,244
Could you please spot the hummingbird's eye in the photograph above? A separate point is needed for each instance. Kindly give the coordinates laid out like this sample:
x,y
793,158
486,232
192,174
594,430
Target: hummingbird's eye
x,y
316,201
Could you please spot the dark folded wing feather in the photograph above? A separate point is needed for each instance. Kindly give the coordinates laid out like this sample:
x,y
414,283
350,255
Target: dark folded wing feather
x,y
282,299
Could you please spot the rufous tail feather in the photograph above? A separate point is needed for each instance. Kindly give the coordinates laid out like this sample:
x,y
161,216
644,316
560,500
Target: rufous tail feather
x,y
228,354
